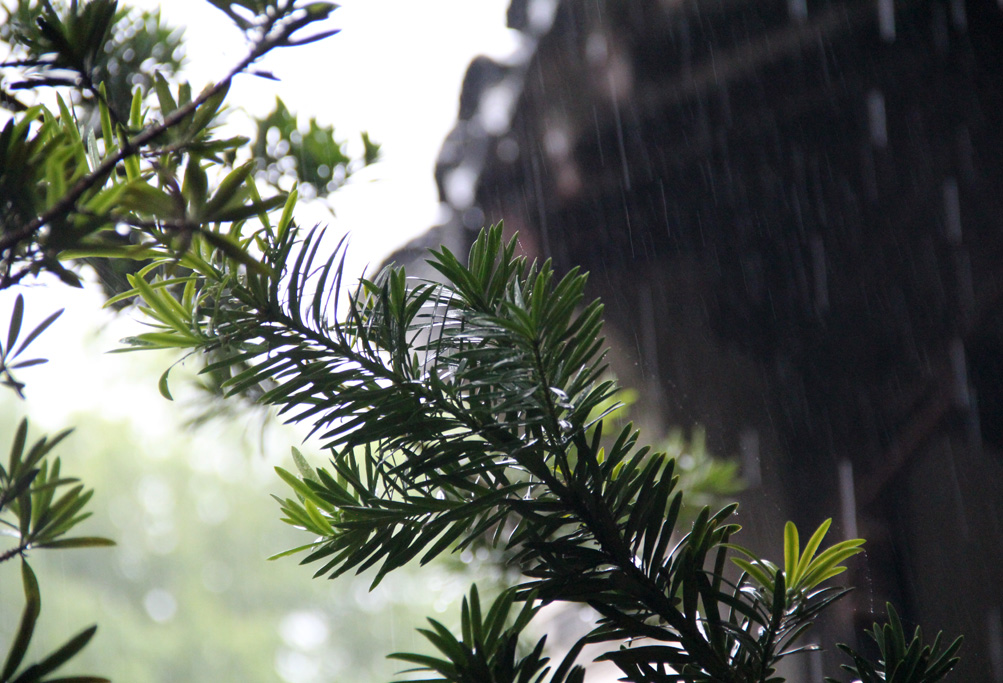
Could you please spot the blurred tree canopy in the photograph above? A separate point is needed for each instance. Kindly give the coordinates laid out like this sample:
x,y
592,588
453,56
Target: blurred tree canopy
x,y
186,594
472,413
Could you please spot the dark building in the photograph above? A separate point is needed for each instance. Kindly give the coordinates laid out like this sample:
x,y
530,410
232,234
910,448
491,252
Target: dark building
x,y
793,210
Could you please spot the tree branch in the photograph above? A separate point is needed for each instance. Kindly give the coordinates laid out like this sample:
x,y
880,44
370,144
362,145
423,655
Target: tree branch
x,y
14,552
65,205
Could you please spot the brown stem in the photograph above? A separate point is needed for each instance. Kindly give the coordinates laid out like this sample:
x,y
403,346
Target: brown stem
x,y
13,552
132,147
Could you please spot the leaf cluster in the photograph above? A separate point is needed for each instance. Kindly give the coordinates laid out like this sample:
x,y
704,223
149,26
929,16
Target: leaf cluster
x,y
488,649
310,157
10,352
901,661
102,51
105,176
277,21
38,508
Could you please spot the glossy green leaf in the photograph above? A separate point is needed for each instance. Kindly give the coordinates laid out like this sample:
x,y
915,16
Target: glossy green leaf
x,y
39,329
14,328
163,386
26,627
146,199
57,658
77,542
234,251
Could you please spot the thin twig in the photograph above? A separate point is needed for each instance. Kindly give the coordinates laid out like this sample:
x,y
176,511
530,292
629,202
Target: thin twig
x,y
14,552
132,147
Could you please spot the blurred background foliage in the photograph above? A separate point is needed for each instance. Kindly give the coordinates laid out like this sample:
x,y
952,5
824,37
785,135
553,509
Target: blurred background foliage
x,y
135,45
288,153
187,594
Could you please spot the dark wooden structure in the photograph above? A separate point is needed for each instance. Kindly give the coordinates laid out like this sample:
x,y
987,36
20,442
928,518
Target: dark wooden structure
x,y
794,212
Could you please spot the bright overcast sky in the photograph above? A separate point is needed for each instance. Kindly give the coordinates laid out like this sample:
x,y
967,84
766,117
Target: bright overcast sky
x,y
395,70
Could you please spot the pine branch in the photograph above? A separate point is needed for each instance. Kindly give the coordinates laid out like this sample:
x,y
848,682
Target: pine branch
x,y
466,408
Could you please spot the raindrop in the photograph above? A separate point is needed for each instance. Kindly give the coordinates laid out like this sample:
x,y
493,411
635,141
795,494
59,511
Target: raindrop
x,y
847,499
626,213
560,394
649,332
815,663
541,207
886,20
952,211
994,634
748,448
958,16
620,143
665,208
959,502
959,374
966,154
876,118
965,284
686,43
724,100
595,119
798,10
821,277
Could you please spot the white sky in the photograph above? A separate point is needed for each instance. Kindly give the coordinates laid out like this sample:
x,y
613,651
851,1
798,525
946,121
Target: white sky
x,y
395,70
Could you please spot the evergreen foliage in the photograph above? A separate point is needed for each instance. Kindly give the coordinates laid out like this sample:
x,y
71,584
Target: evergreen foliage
x,y
470,411
465,412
